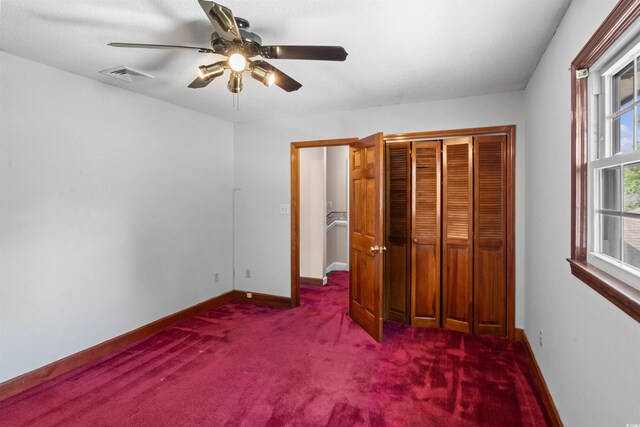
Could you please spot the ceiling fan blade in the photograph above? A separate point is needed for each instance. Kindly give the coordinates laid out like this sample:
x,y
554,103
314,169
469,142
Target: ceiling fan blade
x,y
161,46
318,53
222,19
282,80
198,83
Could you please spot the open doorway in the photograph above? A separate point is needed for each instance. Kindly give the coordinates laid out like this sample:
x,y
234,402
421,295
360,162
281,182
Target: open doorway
x,y
366,226
324,204
319,217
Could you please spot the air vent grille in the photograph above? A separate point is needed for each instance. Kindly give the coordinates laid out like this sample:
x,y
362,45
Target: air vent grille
x,y
126,74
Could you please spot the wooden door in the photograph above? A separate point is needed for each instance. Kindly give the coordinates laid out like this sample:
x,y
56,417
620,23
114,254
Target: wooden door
x,y
366,203
457,230
397,228
490,229
425,233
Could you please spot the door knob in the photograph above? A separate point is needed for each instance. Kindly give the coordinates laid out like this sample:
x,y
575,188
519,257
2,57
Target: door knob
x,y
379,249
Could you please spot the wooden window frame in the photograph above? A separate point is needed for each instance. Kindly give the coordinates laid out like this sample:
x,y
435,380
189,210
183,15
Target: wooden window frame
x,y
624,296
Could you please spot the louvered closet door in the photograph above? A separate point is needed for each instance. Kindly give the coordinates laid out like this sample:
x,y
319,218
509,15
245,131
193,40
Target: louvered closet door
x,y
425,248
490,243
398,209
457,229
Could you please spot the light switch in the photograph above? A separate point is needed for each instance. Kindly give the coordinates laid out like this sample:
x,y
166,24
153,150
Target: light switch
x,y
284,209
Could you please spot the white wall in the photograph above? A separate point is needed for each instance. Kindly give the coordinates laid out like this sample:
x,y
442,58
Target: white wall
x,y
337,182
591,353
115,211
337,177
312,212
262,170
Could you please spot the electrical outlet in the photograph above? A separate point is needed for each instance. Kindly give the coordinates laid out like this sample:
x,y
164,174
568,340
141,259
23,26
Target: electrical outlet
x,y
249,295
215,278
540,337
329,204
247,273
284,209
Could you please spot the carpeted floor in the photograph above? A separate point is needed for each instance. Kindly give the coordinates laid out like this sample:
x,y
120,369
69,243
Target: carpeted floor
x,y
251,365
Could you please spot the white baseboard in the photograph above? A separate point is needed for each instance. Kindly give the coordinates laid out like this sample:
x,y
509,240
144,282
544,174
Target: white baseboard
x,y
324,281
337,266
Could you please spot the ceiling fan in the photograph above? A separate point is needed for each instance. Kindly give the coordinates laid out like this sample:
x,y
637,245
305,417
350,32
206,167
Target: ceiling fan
x,y
233,40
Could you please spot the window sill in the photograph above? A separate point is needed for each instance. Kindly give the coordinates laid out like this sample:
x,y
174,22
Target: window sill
x,y
619,293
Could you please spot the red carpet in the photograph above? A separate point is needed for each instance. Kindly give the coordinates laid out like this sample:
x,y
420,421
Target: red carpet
x,y
251,365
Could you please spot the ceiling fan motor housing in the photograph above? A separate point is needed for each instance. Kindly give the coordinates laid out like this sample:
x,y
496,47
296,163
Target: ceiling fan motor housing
x,y
251,42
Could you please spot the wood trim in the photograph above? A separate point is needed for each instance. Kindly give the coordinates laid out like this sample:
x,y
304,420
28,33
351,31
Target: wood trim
x,y
295,207
324,143
439,134
623,15
511,232
625,297
258,298
295,225
547,400
55,369
311,281
579,203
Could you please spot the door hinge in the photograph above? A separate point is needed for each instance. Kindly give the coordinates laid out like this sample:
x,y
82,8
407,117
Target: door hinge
x,y
581,74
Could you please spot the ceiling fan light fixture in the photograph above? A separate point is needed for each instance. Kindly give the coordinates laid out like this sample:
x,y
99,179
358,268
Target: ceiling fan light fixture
x,y
232,40
210,72
235,83
266,77
237,62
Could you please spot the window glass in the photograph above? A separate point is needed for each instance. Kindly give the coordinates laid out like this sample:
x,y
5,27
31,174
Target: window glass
x,y
632,188
637,80
631,247
623,84
623,133
637,144
610,188
610,235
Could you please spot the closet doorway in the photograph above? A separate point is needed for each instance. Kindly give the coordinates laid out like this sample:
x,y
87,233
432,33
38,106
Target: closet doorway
x,y
318,223
366,228
450,230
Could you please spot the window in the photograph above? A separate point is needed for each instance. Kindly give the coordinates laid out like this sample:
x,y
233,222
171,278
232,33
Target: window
x,y
605,106
614,165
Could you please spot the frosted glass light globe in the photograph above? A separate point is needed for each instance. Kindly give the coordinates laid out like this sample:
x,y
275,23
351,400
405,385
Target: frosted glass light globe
x,y
237,62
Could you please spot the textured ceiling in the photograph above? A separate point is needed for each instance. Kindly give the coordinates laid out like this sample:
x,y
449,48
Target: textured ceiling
x,y
399,51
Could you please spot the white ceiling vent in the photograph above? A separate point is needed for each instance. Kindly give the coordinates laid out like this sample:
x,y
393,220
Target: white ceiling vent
x,y
127,74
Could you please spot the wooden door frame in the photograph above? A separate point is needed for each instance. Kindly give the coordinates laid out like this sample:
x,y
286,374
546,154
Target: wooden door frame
x,y
510,132
295,206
